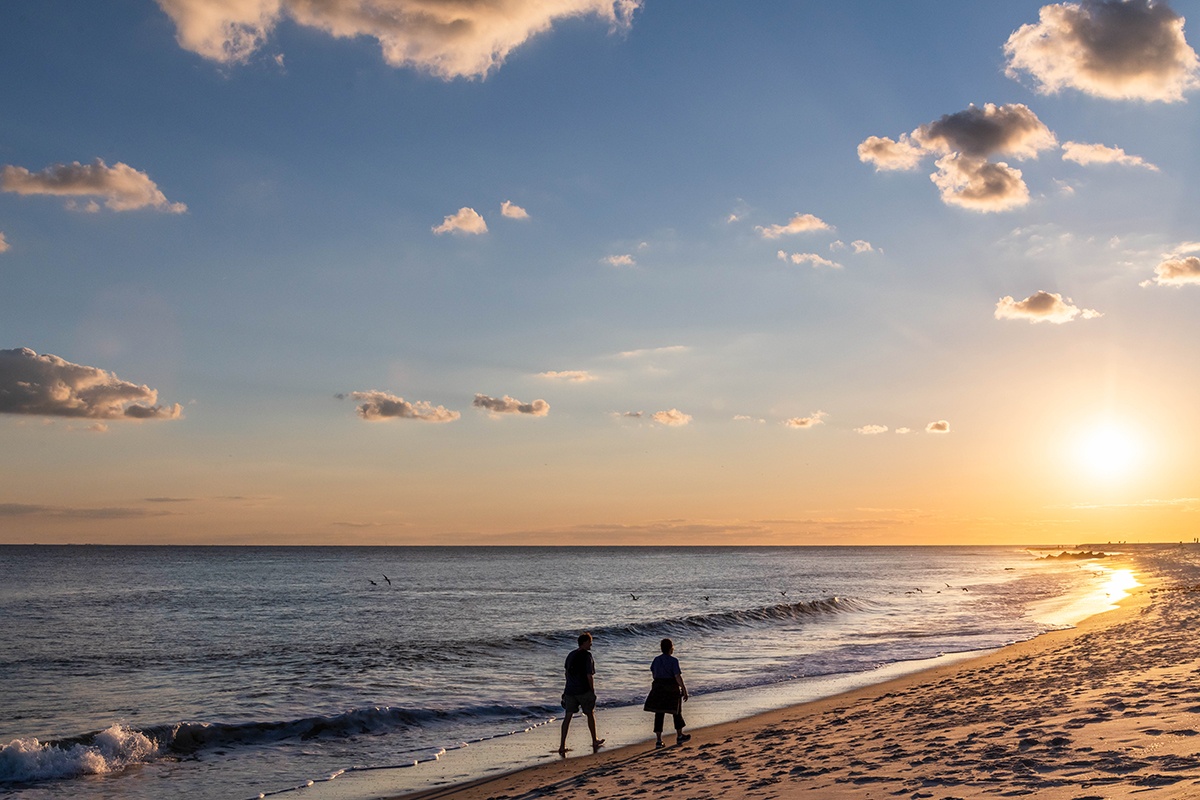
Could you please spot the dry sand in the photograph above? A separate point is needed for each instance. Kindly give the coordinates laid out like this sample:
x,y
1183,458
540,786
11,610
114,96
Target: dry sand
x,y
1110,709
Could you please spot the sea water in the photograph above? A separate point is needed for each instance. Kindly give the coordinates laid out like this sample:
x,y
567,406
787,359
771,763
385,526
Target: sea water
x,y
230,672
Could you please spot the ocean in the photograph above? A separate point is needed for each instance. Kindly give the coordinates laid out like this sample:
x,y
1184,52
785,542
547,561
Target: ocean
x,y
239,672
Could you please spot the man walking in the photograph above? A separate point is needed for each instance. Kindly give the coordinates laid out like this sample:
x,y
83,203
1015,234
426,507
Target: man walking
x,y
580,691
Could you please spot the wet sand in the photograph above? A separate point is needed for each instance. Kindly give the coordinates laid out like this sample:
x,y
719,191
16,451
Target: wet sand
x,y
1109,709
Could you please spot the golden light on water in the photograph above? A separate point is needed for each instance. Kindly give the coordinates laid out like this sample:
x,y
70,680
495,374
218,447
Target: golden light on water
x,y
1120,581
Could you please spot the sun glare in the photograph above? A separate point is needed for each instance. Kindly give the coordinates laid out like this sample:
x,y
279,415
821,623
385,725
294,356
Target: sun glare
x,y
1109,451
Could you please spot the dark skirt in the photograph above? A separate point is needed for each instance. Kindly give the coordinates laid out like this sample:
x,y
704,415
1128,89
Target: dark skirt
x,y
664,697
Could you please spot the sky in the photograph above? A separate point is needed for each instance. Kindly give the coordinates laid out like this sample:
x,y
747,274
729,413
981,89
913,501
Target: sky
x,y
591,272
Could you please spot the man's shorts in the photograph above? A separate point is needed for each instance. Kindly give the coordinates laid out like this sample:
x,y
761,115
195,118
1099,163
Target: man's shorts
x,y
574,702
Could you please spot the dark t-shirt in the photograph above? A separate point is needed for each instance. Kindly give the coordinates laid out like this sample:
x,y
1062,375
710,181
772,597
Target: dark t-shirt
x,y
665,667
580,665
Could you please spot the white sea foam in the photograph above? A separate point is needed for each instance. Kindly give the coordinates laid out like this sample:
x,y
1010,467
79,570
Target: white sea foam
x,y
111,750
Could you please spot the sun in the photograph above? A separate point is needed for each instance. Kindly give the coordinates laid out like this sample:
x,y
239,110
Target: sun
x,y
1109,451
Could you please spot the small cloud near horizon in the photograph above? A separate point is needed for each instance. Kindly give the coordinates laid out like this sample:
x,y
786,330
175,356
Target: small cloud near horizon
x,y
813,419
570,375
121,187
812,259
3,243
509,405
871,430
941,426
622,260
672,418
465,220
1043,307
377,406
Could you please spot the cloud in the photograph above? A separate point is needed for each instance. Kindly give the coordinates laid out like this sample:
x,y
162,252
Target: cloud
x,y
1043,307
1086,154
46,385
890,155
746,418
634,414
671,417
1106,48
3,244
941,426
571,375
513,211
654,351
811,259
979,133
903,431
465,39
377,406
465,220
800,223
122,187
871,430
509,405
966,140
1177,272
624,260
862,246
979,185
66,512
816,418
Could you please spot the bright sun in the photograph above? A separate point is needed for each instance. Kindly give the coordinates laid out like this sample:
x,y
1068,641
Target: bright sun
x,y
1109,451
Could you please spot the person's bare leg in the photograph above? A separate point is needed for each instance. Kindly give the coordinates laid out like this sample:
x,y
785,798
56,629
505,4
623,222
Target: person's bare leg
x,y
562,745
591,719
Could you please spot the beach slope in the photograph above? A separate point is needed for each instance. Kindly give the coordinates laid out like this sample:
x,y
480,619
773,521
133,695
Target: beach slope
x,y
1108,709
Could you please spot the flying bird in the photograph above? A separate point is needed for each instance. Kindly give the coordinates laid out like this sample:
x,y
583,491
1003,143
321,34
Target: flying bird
x,y
389,580
634,596
373,583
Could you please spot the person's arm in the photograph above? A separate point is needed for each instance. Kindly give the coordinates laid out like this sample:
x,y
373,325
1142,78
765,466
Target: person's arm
x,y
682,688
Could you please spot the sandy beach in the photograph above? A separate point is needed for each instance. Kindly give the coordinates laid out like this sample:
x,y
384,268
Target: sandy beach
x,y
1108,709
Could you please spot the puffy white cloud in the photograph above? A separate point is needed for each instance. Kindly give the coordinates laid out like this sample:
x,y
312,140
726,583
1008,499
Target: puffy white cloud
x,y
465,220
1043,307
1179,271
464,38
800,223
862,246
509,405
747,418
812,259
377,406
903,431
513,211
815,418
672,417
570,375
1085,154
122,187
3,243
979,185
888,154
46,385
1119,50
941,426
965,140
624,260
871,430
979,133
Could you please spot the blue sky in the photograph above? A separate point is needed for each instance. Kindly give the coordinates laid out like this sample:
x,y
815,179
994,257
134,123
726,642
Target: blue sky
x,y
268,261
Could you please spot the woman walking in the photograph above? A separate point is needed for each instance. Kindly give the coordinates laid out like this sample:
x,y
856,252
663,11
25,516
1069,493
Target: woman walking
x,y
667,693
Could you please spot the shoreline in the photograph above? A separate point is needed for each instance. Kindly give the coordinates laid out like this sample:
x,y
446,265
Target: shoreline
x,y
1049,715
